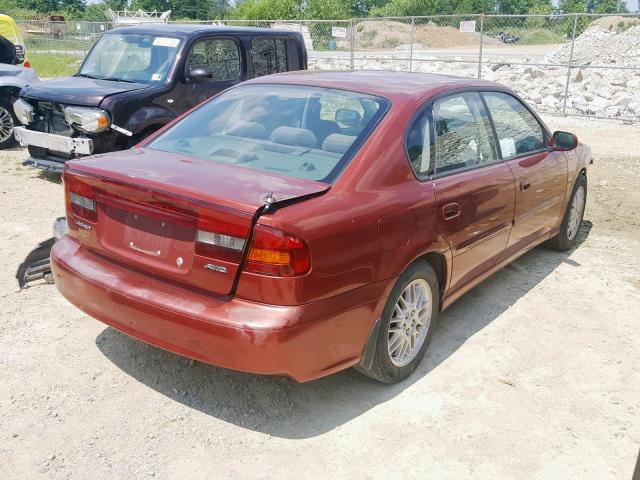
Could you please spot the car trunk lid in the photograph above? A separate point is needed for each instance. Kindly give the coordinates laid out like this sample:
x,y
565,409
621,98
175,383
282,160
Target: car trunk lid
x,y
183,219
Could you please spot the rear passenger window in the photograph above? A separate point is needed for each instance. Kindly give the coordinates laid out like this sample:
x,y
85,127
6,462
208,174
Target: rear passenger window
x,y
518,130
269,55
220,55
463,133
420,146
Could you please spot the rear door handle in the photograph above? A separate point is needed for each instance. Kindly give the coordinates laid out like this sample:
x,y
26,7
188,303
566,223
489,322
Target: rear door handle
x,y
451,211
524,185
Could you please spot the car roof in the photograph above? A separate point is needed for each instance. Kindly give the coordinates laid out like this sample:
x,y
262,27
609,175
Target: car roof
x,y
393,85
189,29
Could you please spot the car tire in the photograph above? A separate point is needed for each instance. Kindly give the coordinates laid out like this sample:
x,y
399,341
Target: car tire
x,y
389,365
573,215
7,121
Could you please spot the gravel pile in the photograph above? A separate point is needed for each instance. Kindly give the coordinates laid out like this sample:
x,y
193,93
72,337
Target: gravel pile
x,y
598,91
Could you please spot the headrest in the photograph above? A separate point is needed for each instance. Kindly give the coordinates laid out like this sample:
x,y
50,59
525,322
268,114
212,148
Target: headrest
x,y
248,130
298,137
338,143
347,117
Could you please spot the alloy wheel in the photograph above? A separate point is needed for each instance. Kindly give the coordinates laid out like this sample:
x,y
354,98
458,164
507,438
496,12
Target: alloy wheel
x,y
410,322
575,213
6,125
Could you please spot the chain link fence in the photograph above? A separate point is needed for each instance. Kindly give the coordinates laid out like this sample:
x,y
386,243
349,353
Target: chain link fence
x,y
573,64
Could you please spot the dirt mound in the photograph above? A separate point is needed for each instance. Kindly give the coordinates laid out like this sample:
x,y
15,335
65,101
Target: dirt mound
x,y
615,23
435,36
389,34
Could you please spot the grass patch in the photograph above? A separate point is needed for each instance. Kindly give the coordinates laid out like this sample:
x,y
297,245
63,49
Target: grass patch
x,y
51,66
540,37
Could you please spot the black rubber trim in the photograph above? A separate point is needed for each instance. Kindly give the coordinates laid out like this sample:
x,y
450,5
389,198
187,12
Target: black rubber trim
x,y
366,361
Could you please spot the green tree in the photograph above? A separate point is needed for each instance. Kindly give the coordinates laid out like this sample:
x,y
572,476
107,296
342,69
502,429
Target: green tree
x,y
572,6
268,9
606,6
401,8
327,9
538,22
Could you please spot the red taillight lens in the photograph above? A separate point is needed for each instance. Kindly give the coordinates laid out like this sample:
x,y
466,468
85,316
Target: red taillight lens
x,y
80,198
277,253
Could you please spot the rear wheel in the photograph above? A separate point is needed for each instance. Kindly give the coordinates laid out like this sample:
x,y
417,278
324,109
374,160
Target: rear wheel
x,y
7,122
407,324
570,226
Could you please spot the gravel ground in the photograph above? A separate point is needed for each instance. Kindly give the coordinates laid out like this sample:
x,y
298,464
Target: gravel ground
x,y
534,374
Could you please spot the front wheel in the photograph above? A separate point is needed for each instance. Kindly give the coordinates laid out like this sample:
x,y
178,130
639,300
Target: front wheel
x,y
407,324
7,122
570,226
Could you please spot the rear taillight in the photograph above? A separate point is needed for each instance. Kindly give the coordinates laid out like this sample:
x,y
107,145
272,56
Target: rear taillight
x,y
219,245
80,199
277,253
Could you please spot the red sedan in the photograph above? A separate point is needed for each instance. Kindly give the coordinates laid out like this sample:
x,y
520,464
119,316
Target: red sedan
x,y
304,223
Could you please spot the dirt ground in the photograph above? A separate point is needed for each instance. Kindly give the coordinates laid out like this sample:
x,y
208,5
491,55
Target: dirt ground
x,y
535,374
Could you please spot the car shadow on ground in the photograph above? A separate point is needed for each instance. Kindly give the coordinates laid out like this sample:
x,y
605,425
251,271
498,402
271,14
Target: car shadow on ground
x,y
282,408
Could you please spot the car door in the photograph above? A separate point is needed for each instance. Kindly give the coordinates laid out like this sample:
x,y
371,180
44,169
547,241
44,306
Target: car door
x,y
540,172
222,56
474,188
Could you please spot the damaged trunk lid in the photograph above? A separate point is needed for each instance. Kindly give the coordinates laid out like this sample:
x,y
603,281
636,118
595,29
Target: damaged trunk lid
x,y
184,219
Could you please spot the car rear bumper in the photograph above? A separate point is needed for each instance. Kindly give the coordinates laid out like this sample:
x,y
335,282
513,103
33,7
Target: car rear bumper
x,y
303,342
56,143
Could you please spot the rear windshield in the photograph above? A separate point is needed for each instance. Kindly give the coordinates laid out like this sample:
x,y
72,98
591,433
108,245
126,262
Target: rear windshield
x,y
299,131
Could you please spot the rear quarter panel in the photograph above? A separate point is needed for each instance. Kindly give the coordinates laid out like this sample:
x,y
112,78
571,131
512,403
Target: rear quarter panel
x,y
376,219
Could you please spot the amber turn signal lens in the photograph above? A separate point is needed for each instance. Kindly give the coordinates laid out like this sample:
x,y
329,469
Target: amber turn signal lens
x,y
269,256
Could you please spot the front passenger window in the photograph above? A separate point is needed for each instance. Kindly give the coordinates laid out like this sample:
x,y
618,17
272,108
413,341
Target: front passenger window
x,y
518,130
463,133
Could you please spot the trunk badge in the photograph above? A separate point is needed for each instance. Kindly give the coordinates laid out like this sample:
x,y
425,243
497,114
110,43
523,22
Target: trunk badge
x,y
216,268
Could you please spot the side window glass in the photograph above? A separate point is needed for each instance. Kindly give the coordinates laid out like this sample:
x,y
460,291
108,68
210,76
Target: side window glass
x,y
220,55
517,129
463,133
420,147
269,55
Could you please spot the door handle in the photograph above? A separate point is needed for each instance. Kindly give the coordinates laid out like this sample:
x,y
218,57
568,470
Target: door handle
x,y
451,211
524,185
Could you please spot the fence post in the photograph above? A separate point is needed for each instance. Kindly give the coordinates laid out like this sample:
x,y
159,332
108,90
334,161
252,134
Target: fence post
x,y
566,86
413,39
481,43
353,44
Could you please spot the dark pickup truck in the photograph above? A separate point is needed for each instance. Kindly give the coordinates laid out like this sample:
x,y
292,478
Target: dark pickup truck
x,y
137,79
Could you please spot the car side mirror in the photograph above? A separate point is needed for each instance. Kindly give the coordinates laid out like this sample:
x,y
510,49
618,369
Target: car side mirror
x,y
200,75
564,141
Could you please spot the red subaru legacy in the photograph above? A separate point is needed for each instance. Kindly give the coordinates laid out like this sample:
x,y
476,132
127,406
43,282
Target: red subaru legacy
x,y
303,223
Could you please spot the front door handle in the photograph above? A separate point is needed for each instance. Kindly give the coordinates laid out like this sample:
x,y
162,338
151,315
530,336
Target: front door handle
x,y
451,211
524,185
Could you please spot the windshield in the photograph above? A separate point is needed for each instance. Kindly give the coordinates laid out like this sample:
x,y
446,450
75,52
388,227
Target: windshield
x,y
299,131
131,58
